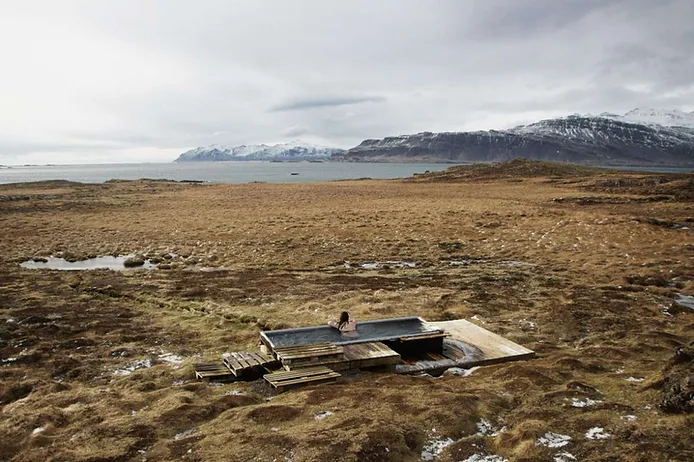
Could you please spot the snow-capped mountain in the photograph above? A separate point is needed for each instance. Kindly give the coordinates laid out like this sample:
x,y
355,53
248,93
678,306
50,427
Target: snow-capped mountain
x,y
591,140
673,118
295,150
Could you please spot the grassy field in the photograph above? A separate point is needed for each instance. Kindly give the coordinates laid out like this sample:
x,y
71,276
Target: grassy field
x,y
580,265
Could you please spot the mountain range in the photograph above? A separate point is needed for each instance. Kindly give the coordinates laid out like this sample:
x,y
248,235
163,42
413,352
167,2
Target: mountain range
x,y
295,150
641,137
637,138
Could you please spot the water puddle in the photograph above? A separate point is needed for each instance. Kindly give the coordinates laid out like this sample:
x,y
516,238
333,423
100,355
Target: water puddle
x,y
686,301
381,264
107,262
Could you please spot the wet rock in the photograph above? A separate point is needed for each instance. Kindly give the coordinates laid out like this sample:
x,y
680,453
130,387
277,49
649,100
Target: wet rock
x,y
134,262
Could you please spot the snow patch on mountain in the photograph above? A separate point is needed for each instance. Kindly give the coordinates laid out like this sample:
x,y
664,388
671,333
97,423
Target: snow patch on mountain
x,y
672,118
295,150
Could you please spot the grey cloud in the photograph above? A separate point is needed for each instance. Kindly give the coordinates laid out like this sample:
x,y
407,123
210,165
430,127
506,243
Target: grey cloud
x,y
321,102
336,73
295,131
512,19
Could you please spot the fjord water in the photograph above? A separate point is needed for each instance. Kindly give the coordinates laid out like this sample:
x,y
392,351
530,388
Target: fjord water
x,y
216,172
233,172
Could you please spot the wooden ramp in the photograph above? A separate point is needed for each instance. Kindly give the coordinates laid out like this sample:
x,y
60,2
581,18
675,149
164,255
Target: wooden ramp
x,y
468,345
315,354
311,375
244,363
216,372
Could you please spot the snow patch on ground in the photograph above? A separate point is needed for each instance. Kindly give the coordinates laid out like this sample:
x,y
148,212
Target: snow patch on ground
x,y
575,402
170,358
628,418
133,366
38,430
635,379
185,434
553,440
433,448
233,392
564,457
323,415
379,264
485,458
597,433
486,428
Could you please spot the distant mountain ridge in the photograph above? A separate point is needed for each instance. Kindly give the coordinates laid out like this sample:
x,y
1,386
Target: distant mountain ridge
x,y
284,151
638,138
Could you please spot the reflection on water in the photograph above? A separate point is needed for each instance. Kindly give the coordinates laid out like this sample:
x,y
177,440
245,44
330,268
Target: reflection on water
x,y
107,262
685,300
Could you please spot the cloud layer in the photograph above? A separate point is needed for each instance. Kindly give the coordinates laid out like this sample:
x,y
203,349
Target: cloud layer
x,y
127,81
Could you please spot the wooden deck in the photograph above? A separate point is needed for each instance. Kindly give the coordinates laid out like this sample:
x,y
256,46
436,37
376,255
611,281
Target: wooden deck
x,y
293,357
283,380
242,363
216,372
372,354
468,345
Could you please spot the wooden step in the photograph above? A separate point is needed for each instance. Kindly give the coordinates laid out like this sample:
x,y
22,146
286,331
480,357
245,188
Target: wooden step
x,y
310,375
212,371
243,362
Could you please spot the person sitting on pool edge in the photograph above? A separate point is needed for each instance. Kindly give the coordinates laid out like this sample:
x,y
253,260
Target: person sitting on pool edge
x,y
345,324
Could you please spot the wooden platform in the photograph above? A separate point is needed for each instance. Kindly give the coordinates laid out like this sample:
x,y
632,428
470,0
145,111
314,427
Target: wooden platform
x,y
468,345
243,363
216,372
310,375
372,354
293,357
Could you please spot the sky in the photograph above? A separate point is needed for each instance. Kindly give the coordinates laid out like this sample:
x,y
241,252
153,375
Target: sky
x,y
99,81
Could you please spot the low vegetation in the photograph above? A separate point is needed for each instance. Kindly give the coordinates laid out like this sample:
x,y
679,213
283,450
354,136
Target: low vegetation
x,y
96,365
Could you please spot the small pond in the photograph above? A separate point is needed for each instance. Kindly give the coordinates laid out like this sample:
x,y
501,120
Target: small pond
x,y
106,262
686,301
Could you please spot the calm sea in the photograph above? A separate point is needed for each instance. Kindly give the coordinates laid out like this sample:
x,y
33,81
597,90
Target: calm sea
x,y
228,172
218,172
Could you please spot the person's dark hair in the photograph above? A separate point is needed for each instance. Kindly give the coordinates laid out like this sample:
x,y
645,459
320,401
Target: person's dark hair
x,y
344,319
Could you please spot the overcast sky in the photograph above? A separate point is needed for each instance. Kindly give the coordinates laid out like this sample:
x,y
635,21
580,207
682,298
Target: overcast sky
x,y
139,80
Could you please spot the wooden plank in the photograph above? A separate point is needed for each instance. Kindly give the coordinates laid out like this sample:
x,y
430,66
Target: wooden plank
x,y
306,347
300,352
333,363
232,364
239,357
370,354
248,357
281,380
424,336
306,372
212,371
247,362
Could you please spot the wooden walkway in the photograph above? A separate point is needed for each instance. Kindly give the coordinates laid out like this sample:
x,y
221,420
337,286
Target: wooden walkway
x,y
468,345
283,380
